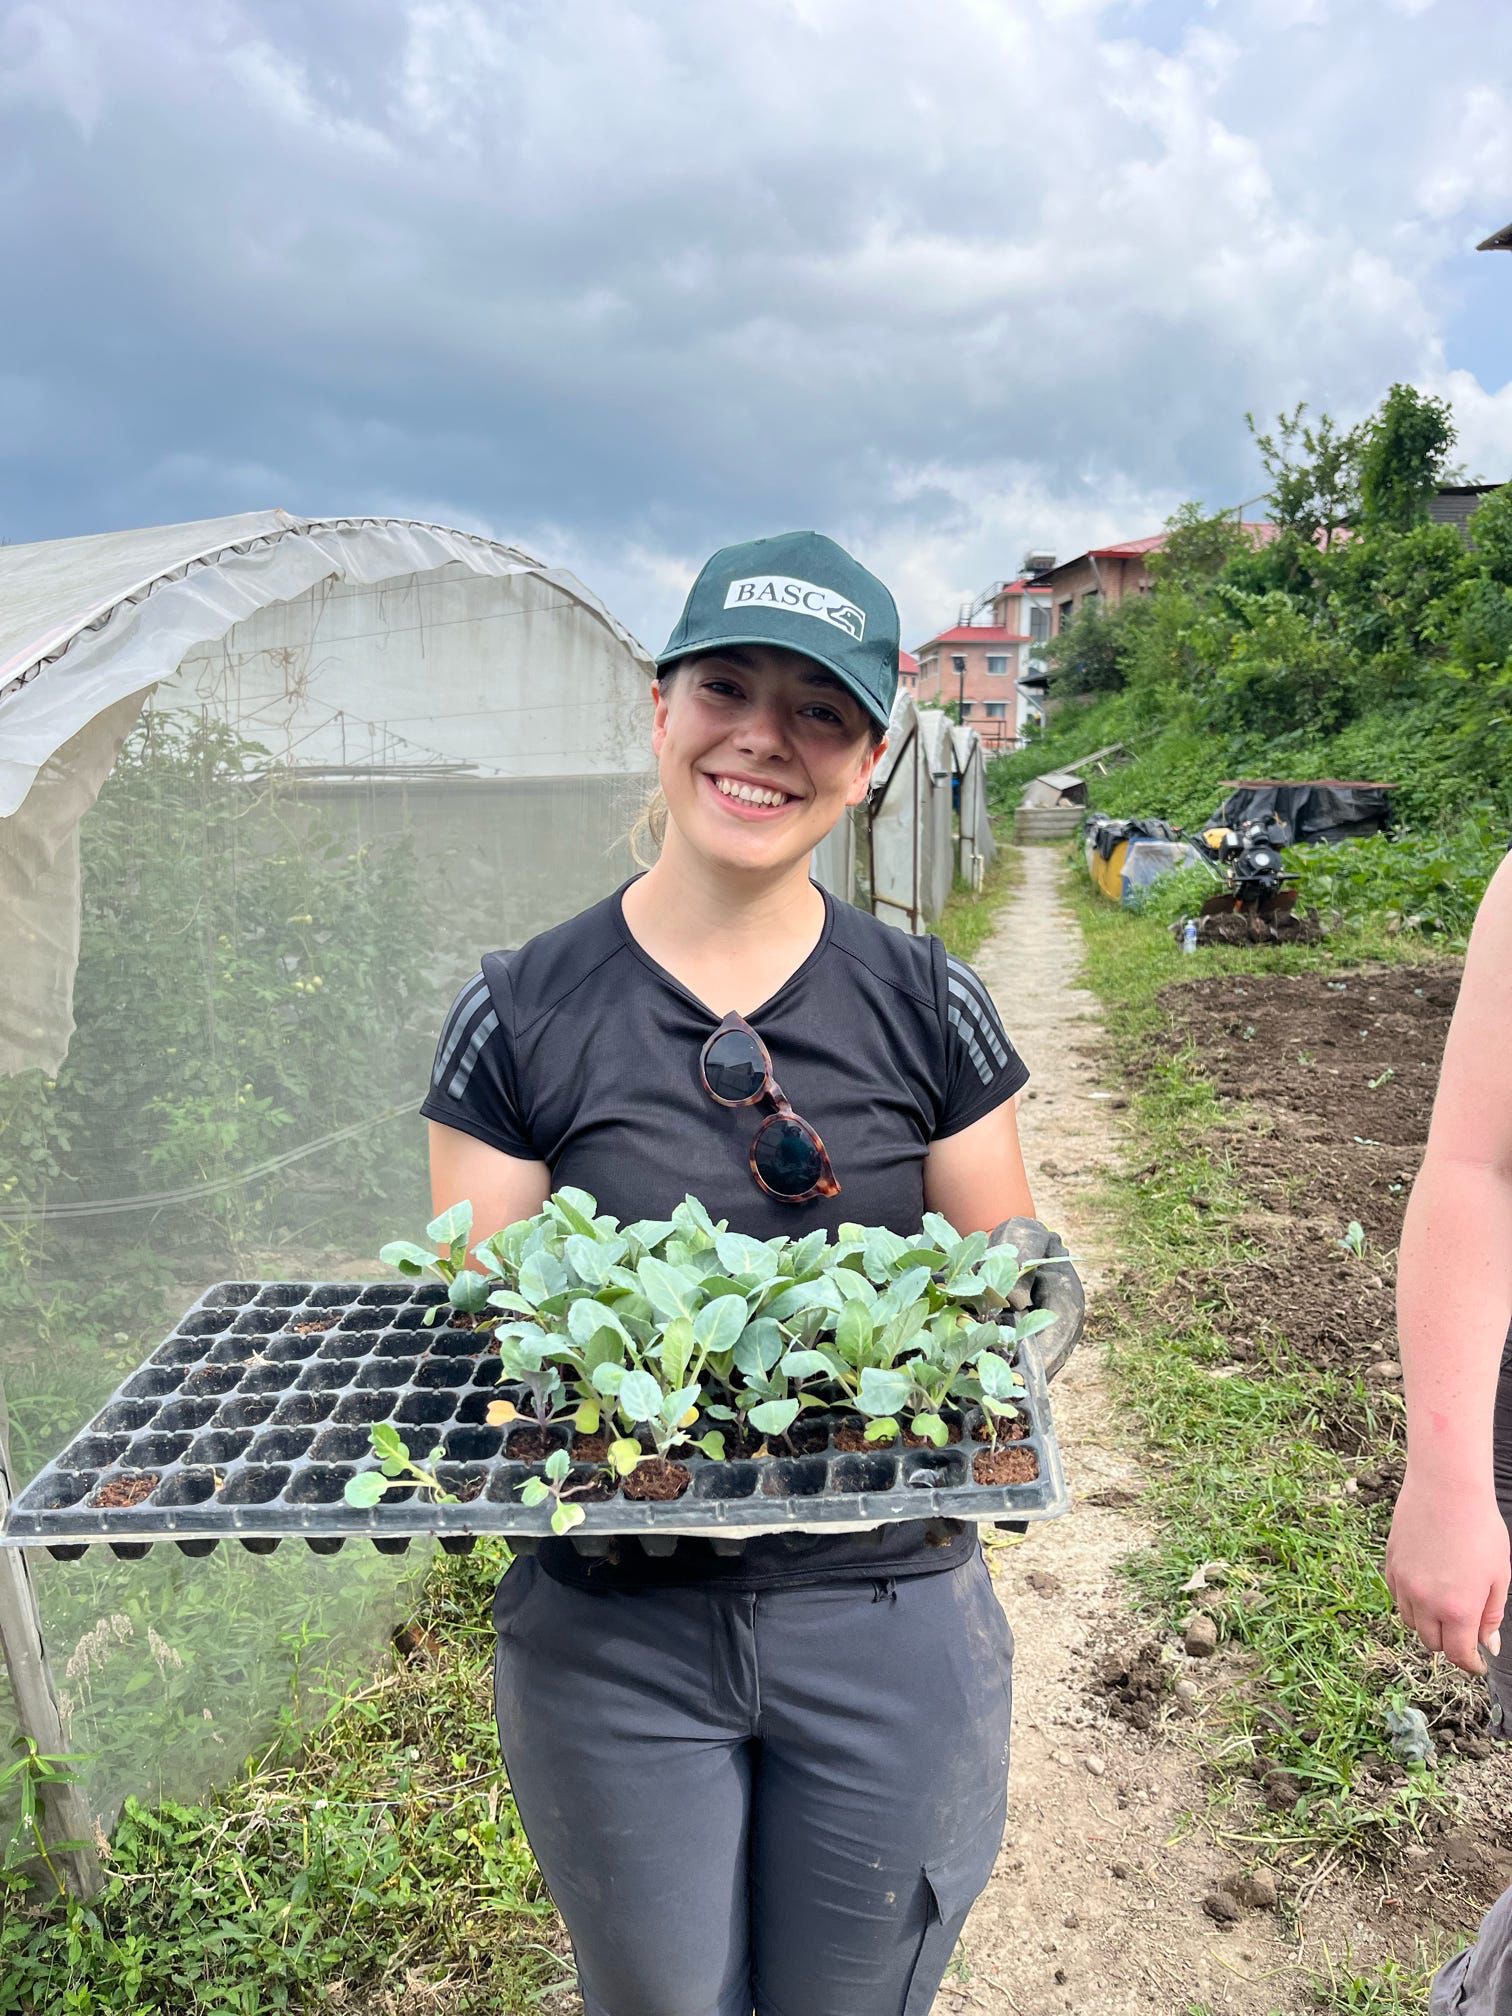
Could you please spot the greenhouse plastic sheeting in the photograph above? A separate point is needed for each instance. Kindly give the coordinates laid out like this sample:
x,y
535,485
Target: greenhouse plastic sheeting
x,y
223,968
39,893
1146,861
309,638
916,836
89,620
973,818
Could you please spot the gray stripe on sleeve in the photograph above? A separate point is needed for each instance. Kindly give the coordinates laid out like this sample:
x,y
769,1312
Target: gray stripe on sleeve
x,y
466,1005
977,986
986,1022
974,1049
473,1052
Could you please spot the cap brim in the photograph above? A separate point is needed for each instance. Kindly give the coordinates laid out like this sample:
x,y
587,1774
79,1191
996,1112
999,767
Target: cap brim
x,y
847,679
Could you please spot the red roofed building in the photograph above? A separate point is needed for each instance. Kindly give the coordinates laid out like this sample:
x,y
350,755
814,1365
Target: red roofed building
x,y
1107,574
976,664
908,673
981,665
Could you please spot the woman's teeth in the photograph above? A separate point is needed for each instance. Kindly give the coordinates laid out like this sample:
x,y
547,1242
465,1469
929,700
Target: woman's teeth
x,y
748,793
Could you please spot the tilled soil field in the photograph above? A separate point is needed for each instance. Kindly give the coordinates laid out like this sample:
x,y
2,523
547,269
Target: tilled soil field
x,y
1327,1083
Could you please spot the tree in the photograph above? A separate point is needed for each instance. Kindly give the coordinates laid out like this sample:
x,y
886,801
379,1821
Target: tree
x,y
1491,536
1197,549
1404,453
1091,655
1314,474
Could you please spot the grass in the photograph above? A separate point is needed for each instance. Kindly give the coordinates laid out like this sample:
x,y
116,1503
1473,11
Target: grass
x,y
379,1868
1397,1988
968,917
1394,1989
1240,1475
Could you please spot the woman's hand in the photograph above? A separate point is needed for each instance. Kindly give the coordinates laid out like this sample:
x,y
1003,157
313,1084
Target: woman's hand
x,y
1447,1569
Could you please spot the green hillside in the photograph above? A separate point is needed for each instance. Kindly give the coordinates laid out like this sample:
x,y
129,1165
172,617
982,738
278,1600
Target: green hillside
x,y
1363,642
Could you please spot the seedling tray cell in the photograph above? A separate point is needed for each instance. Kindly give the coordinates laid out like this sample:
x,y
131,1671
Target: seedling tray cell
x,y
247,1422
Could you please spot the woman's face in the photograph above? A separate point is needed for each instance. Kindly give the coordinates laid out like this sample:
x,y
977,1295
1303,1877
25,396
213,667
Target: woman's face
x,y
757,716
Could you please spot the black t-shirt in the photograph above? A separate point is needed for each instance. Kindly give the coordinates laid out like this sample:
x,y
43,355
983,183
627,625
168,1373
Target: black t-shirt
x,y
578,1050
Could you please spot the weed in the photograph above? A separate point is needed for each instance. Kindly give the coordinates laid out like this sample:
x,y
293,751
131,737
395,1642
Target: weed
x,y
1393,1989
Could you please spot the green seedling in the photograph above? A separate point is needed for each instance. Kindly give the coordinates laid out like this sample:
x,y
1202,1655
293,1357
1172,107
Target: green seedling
x,y
397,1468
666,1332
1354,1239
776,1370
525,1357
659,1394
467,1291
962,1361
536,1490
998,1388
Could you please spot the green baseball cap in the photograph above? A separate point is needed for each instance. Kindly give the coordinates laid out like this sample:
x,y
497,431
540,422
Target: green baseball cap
x,y
801,592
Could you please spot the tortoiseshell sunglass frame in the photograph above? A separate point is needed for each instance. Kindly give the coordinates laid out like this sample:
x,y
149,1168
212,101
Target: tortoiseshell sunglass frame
x,y
828,1184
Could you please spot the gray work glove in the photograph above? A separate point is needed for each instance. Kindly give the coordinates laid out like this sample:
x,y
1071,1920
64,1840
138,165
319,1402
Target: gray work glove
x,y
1055,1288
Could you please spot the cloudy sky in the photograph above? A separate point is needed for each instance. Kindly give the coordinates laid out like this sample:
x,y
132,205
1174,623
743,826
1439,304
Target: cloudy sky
x,y
622,280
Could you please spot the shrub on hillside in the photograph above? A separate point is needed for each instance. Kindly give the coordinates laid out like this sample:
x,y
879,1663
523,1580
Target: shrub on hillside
x,y
1416,882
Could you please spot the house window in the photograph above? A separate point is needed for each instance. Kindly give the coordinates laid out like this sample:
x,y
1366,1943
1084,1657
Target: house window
x,y
965,709
1065,612
998,667
1039,622
997,710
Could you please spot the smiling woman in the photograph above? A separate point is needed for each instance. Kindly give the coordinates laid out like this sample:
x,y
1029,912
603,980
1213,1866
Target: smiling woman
x,y
778,627
810,1856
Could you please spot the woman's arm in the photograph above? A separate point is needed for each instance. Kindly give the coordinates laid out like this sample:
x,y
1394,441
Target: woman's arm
x,y
502,1188
1447,1559
976,1178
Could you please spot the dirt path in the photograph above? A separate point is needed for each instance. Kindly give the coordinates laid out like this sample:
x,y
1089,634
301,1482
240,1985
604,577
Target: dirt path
x,y
1093,1907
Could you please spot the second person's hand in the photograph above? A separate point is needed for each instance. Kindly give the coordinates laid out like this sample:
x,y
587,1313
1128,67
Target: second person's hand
x,y
1447,1569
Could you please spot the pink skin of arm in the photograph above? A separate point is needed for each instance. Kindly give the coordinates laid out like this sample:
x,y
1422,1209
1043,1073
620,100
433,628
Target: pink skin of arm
x,y
1447,1558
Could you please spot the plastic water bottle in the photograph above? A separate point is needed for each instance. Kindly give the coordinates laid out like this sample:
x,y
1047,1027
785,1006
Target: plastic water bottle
x,y
1189,935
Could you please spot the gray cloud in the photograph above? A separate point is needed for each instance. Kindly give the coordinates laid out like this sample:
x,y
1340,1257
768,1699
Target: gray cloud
x,y
626,280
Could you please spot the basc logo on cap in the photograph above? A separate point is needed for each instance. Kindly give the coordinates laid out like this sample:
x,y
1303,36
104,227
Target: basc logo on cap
x,y
803,598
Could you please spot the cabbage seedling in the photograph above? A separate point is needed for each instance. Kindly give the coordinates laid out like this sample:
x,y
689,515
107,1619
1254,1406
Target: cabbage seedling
x,y
466,1290
526,1356
536,1490
397,1469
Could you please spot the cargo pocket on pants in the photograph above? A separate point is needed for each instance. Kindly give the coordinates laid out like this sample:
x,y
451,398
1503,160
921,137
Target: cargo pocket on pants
x,y
952,1884
1448,1992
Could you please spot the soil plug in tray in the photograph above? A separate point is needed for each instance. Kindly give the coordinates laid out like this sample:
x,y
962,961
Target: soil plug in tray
x,y
252,1419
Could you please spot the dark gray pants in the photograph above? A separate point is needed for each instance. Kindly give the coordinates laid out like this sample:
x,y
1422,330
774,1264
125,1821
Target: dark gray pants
x,y
782,1803
1501,1460
1478,1982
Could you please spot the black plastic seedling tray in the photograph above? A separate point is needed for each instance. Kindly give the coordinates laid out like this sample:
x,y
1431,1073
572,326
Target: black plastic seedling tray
x,y
254,1413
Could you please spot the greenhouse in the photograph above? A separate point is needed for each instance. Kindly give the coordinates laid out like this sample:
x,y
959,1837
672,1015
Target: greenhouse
x,y
251,768
268,786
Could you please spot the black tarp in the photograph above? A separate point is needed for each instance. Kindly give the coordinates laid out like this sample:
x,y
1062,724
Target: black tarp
x,y
1326,810
1106,833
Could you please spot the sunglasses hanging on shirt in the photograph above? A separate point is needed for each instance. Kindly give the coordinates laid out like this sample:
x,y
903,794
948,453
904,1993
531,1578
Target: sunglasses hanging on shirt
x,y
787,1156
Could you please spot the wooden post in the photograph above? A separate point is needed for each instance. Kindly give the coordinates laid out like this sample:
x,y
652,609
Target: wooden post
x,y
24,1656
